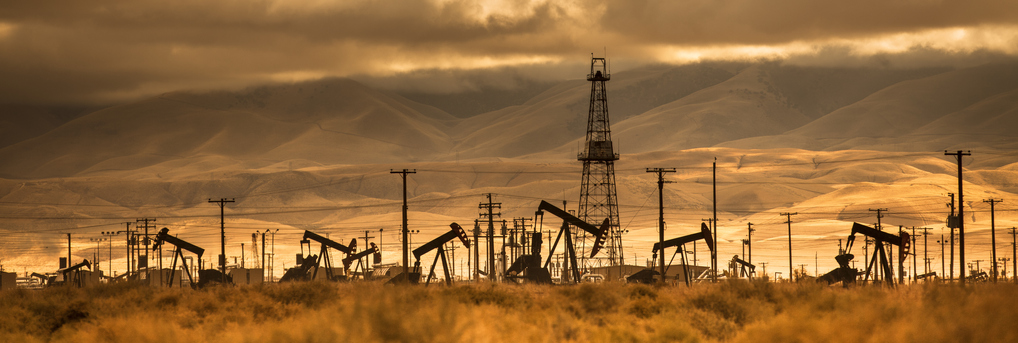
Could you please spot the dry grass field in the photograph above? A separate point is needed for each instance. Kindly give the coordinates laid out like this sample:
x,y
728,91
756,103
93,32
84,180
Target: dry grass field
x,y
372,312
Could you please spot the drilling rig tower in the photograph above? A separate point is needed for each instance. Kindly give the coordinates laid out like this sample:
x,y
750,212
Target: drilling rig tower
x,y
598,197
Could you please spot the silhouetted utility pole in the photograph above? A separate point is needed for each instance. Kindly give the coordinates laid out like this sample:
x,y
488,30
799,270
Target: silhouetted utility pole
x,y
926,256
108,236
943,264
914,267
367,236
491,206
993,235
145,241
714,252
406,238
879,215
1014,254
265,268
130,250
961,212
68,249
477,251
749,241
272,255
222,234
661,213
952,223
788,216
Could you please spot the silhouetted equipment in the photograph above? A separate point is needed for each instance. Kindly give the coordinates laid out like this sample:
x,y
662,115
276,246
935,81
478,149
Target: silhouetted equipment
x,y
213,276
644,276
72,276
844,274
679,242
43,279
438,243
180,244
324,254
528,266
978,276
300,272
598,195
746,269
568,219
879,254
926,276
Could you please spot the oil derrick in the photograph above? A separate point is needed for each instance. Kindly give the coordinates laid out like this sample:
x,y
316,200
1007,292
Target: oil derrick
x,y
598,198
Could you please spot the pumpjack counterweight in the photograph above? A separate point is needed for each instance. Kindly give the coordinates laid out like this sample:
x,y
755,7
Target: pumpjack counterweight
x,y
598,195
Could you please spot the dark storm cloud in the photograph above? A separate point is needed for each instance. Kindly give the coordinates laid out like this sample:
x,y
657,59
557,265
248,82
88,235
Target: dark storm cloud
x,y
110,50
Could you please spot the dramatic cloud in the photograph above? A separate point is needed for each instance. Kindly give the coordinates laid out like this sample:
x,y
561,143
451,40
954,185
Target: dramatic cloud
x,y
109,50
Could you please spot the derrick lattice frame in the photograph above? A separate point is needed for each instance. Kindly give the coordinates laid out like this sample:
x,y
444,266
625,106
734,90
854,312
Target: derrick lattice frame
x,y
598,195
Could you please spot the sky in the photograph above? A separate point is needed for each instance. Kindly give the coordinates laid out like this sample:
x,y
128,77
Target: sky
x,y
99,51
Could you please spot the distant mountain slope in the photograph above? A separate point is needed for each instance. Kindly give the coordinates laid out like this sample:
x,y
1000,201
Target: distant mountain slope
x,y
966,108
329,121
907,106
742,106
652,108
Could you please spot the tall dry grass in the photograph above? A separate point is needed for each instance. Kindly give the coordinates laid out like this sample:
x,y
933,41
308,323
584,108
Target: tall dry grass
x,y
372,312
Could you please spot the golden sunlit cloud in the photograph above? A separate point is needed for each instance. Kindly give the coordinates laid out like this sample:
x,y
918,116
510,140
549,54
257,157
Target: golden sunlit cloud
x,y
954,40
469,63
6,29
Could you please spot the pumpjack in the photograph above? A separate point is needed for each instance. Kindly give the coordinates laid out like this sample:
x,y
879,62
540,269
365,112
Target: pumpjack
x,y
846,275
570,251
164,237
315,262
680,242
71,275
746,269
373,250
438,243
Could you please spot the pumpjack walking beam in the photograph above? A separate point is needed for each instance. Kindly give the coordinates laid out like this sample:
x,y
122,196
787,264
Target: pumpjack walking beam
x,y
680,242
164,236
438,243
568,219
901,240
324,254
